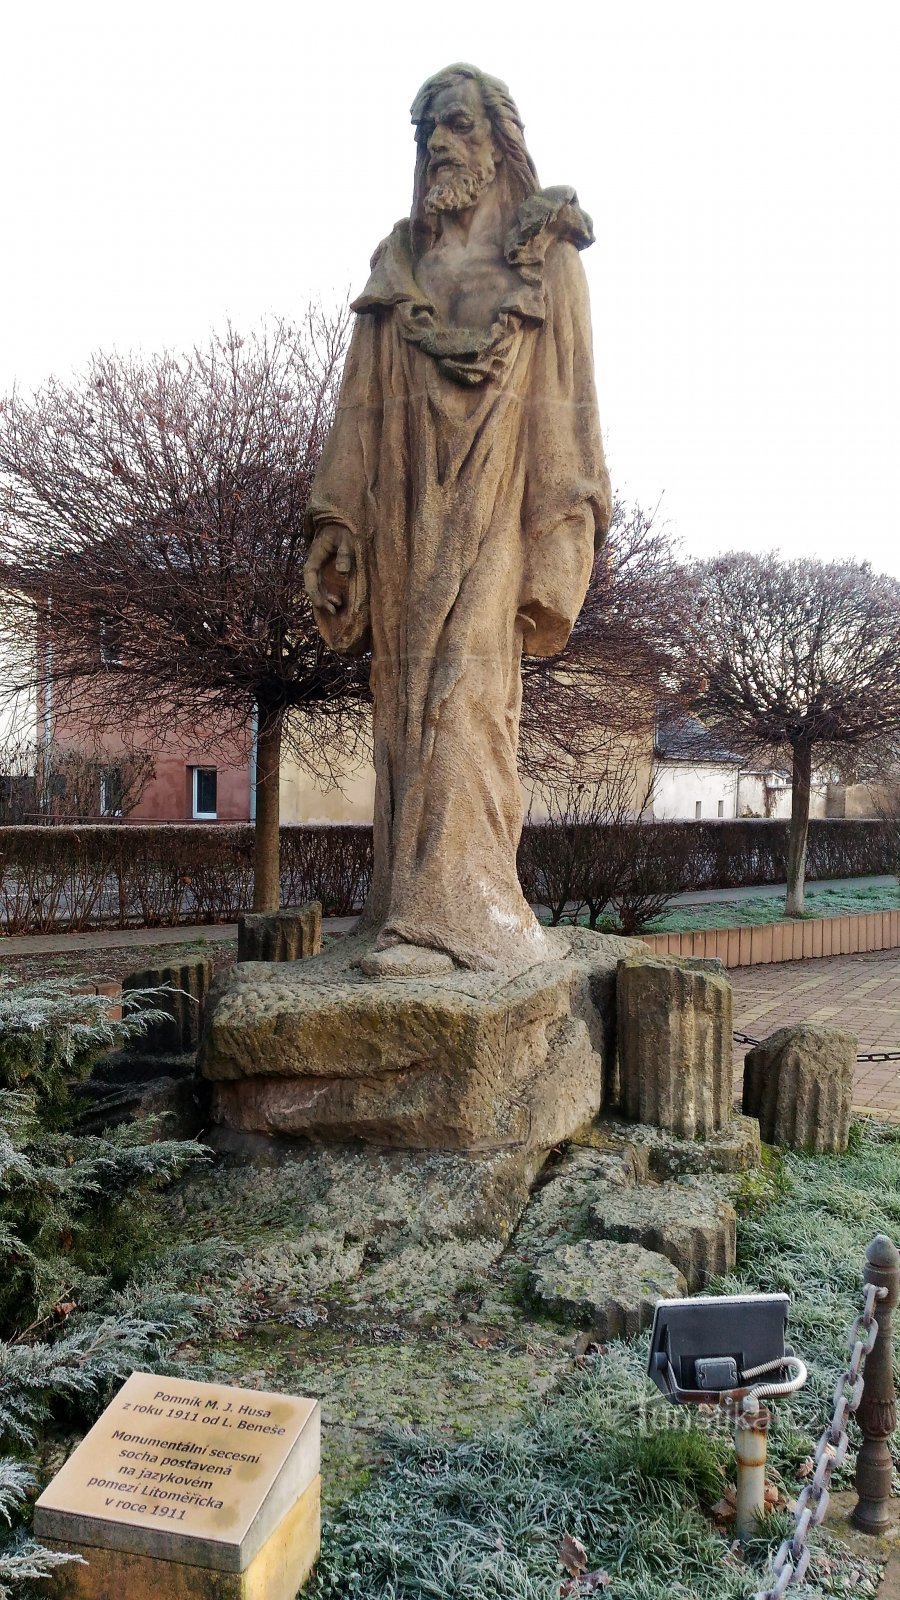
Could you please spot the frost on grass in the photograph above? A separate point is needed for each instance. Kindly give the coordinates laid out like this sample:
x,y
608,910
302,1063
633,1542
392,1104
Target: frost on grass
x,y
603,1460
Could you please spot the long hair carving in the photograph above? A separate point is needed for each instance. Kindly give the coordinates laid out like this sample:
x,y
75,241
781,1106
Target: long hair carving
x,y
516,172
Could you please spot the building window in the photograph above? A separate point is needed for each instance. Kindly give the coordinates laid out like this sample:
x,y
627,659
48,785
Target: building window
x,y
112,792
721,808
698,811
204,794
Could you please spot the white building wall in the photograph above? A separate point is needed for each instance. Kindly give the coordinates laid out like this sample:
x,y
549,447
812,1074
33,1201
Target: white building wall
x,y
683,787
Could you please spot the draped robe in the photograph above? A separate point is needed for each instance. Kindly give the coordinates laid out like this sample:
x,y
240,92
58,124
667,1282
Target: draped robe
x,y
468,467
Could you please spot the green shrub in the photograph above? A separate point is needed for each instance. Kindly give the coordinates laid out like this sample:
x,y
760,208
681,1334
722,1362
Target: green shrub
x,y
76,1225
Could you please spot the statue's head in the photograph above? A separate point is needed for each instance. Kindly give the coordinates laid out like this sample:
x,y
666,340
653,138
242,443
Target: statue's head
x,y
468,135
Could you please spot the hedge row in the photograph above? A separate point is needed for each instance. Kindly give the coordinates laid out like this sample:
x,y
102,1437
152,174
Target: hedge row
x,y
124,875
128,875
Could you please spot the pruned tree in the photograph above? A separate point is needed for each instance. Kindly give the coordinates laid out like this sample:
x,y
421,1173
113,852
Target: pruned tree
x,y
154,538
799,657
624,652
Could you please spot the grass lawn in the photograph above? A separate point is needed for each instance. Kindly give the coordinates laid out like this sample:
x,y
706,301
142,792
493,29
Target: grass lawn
x,y
602,1457
465,1434
770,908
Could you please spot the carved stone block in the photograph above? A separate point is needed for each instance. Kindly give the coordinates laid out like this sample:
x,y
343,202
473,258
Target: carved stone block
x,y
674,1036
694,1228
288,935
799,1083
463,1061
187,985
609,1289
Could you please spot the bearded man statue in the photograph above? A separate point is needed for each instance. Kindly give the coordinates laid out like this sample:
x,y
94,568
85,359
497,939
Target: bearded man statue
x,y
455,517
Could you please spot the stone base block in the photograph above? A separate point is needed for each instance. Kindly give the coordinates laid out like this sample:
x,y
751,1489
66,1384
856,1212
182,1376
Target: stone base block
x,y
462,1061
609,1289
186,986
799,1083
735,1148
277,1571
694,1229
293,934
675,1044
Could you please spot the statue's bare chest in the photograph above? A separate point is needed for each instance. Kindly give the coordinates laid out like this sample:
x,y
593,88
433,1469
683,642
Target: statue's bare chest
x,y
466,287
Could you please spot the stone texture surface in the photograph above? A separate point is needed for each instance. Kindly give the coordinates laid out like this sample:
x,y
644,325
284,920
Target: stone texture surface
x,y
165,1089
735,1148
799,1083
695,1228
609,1289
674,1033
454,536
289,935
277,1572
462,1060
188,983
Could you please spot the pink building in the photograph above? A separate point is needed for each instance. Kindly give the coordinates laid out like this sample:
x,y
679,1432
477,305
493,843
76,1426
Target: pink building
x,y
179,780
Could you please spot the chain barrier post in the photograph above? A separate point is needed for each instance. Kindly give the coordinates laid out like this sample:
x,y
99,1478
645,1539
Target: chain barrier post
x,y
750,1447
792,1559
877,1414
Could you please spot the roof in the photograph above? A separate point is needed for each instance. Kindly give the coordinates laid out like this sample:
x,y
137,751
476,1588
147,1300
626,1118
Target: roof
x,y
680,737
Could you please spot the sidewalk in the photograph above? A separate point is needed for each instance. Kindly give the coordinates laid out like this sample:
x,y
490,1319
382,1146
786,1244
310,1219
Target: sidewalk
x,y
775,891
49,944
859,993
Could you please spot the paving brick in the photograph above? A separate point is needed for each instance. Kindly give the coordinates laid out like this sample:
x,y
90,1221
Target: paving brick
x,y
860,992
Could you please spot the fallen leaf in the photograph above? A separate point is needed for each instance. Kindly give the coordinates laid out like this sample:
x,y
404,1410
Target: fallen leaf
x,y
572,1555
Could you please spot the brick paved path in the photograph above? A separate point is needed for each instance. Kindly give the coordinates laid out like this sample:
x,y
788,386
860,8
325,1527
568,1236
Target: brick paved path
x,y
860,993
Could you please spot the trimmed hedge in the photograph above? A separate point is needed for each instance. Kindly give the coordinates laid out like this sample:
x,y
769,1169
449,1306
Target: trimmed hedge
x,y
162,875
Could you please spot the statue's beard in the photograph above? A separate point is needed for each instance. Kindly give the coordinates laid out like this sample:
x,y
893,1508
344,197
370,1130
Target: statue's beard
x,y
460,187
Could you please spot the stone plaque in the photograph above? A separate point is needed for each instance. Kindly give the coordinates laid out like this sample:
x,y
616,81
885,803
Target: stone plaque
x,y
194,1473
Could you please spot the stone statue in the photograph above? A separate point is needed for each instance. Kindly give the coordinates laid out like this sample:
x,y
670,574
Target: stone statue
x,y
455,516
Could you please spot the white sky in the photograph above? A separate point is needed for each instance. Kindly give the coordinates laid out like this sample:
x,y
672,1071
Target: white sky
x,y
166,166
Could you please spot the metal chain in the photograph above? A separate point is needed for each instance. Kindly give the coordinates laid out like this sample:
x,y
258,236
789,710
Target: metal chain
x,y
792,1560
871,1055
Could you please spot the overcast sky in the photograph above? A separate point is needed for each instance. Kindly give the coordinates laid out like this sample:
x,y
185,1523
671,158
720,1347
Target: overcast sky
x,y
168,166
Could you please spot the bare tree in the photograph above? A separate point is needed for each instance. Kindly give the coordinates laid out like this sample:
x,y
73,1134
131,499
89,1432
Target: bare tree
x,y
579,858
622,655
154,537
800,657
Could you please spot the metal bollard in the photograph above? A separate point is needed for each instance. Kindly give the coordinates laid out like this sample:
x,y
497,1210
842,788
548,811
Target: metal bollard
x,y
877,1414
750,1446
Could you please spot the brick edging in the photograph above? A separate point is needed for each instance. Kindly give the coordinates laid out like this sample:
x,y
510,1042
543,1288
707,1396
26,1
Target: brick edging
x,y
801,940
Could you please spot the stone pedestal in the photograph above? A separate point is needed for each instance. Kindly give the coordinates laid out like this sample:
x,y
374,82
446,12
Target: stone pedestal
x,y
289,935
799,1083
674,1035
188,983
463,1061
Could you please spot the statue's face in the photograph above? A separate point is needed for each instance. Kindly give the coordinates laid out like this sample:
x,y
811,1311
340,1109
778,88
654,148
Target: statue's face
x,y
462,156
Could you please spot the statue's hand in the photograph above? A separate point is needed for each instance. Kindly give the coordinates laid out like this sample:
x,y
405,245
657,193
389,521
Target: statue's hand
x,y
331,548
